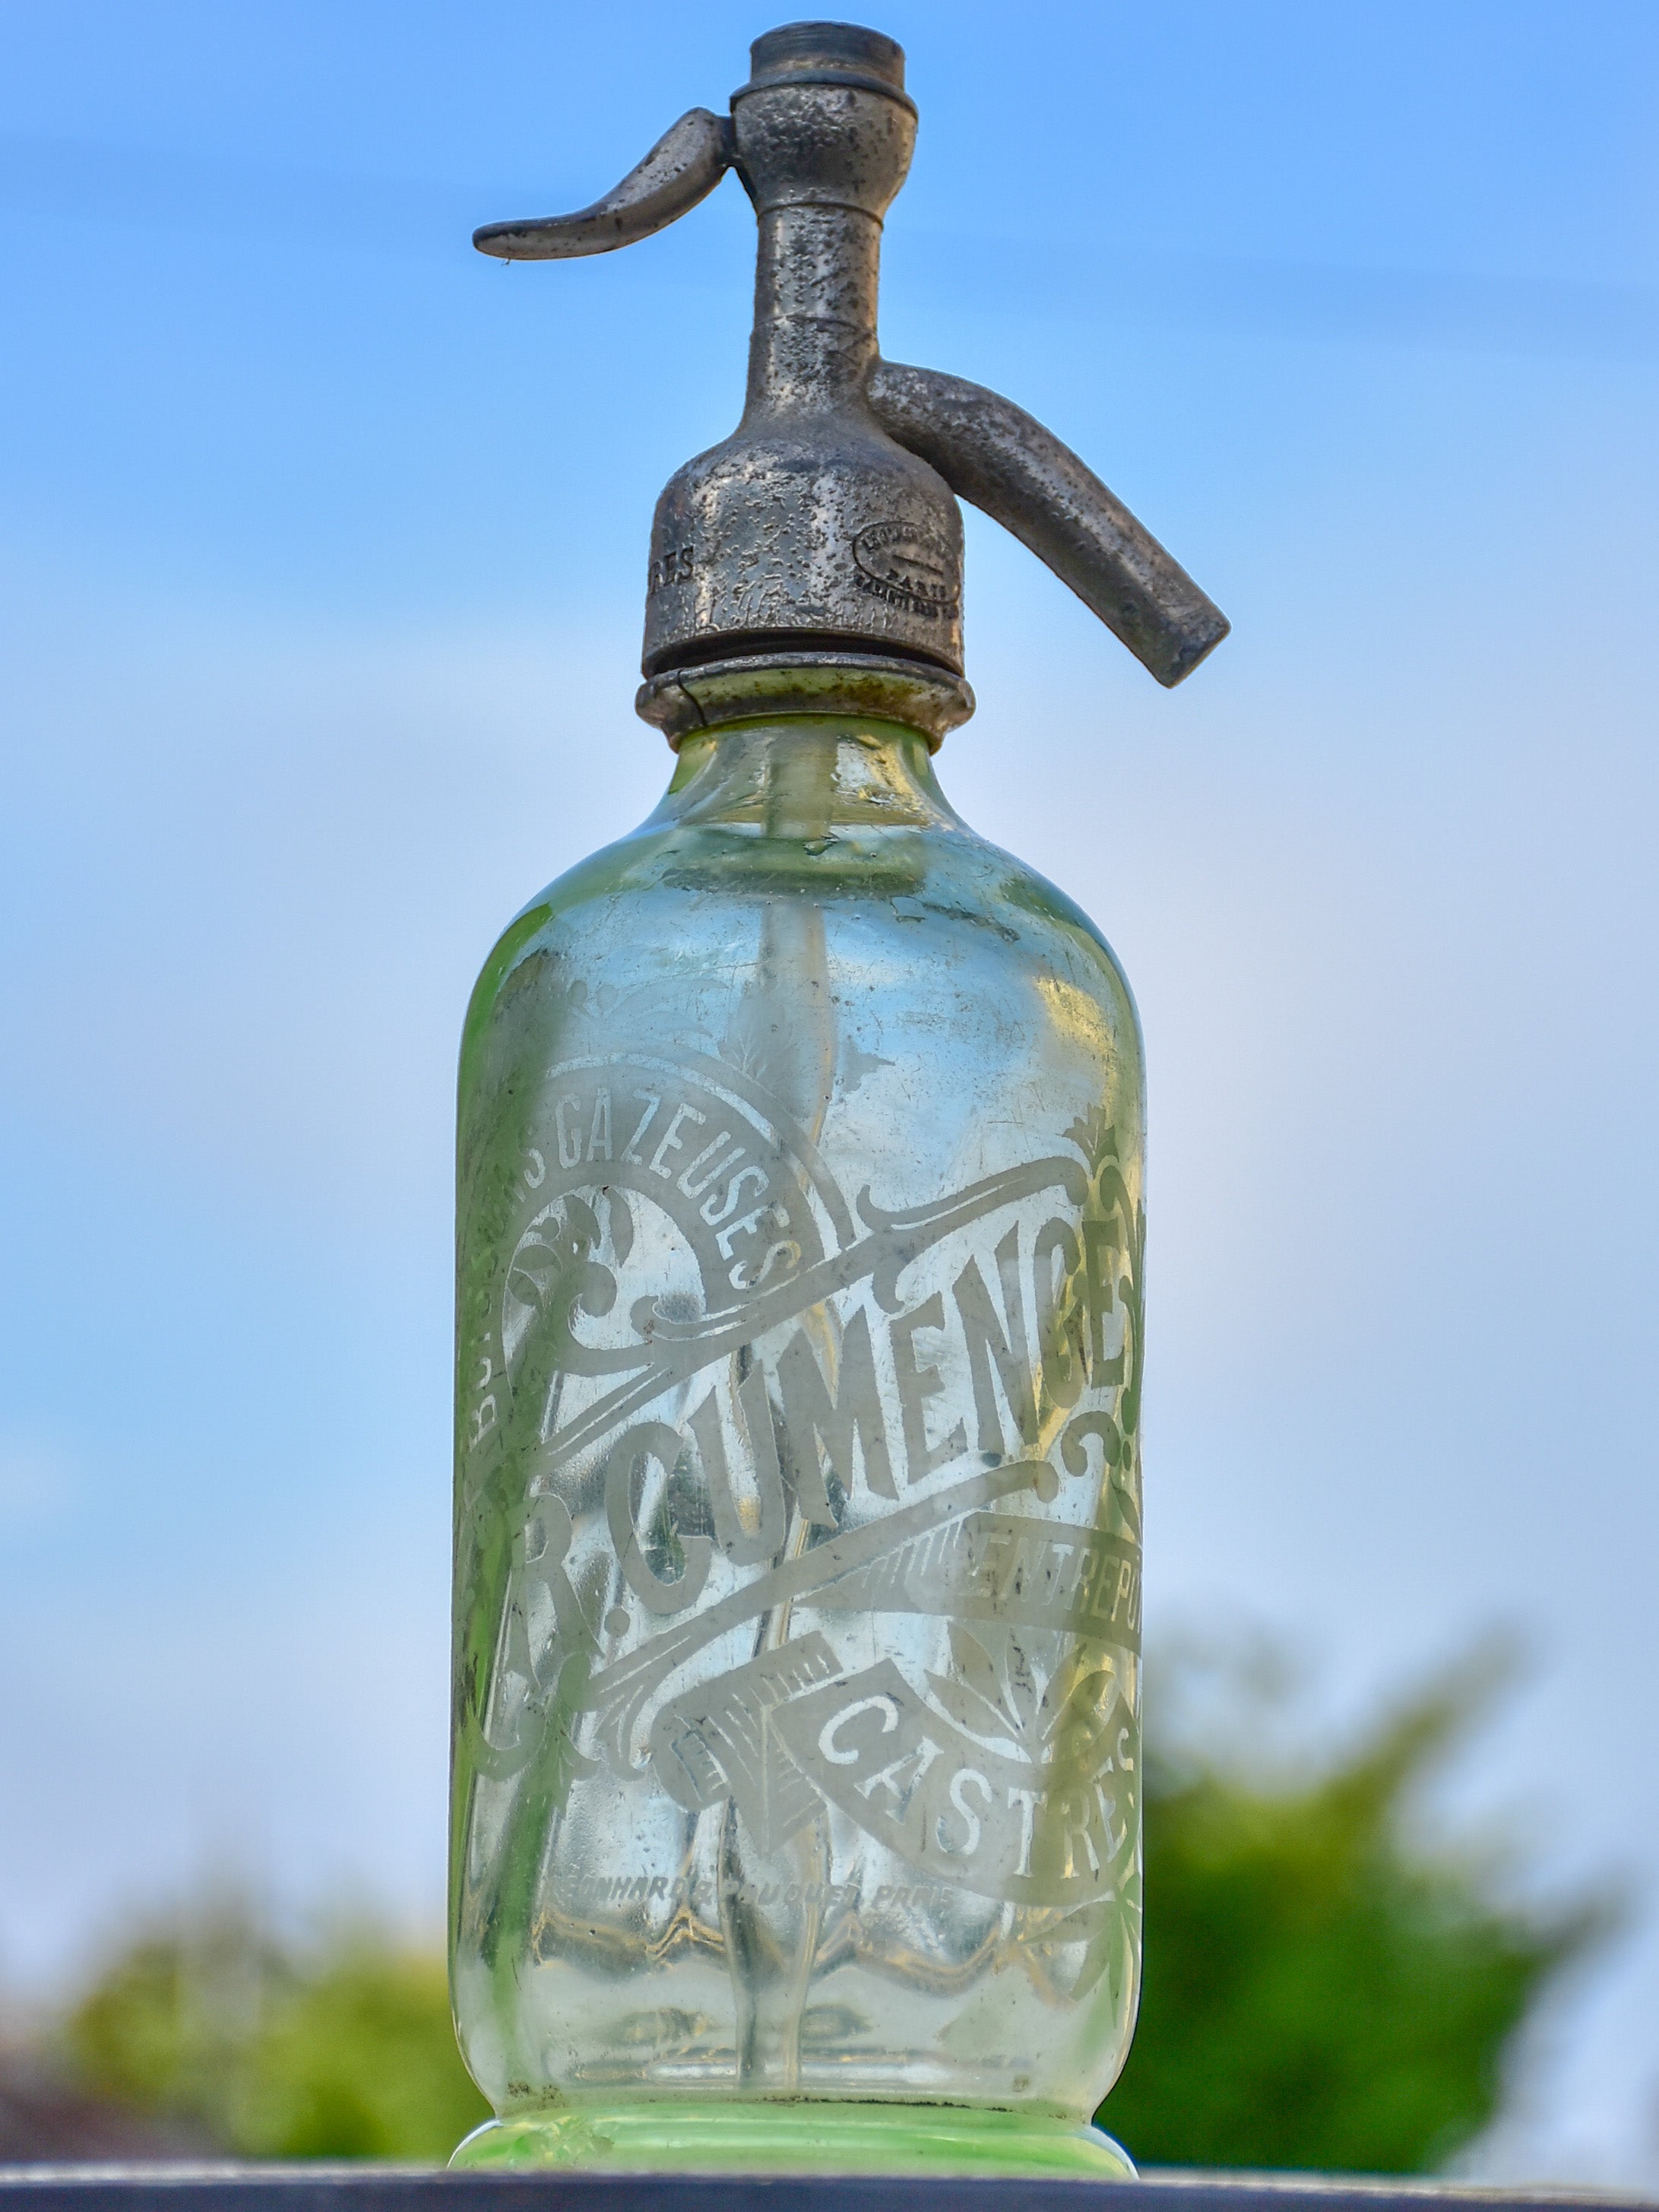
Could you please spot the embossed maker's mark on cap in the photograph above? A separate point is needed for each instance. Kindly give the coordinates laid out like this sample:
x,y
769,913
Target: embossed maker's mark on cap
x,y
908,566
674,567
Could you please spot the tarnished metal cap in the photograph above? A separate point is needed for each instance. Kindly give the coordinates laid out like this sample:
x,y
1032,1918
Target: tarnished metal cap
x,y
828,53
824,535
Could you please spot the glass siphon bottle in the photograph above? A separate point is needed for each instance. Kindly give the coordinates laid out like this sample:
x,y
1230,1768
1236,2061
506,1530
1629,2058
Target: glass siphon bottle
x,y
796,1776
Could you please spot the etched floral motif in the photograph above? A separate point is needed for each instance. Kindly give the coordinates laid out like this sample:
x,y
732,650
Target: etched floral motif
x,y
1053,1717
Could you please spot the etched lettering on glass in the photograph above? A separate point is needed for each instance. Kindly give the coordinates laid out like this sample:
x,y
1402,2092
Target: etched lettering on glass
x,y
747,1413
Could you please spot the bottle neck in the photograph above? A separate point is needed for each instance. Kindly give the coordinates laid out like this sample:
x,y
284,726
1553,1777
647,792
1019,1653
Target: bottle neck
x,y
816,281
803,777
807,678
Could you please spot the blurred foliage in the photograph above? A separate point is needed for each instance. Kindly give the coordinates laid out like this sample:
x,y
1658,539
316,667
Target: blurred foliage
x,y
337,2048
1324,1988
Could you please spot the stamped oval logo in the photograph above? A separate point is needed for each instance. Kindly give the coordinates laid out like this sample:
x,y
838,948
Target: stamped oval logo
x,y
908,566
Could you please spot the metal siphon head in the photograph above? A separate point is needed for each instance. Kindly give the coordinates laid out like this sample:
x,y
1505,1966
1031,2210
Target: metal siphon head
x,y
817,552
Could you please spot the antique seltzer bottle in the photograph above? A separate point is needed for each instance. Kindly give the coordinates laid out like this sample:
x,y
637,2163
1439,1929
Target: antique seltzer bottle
x,y
796,1817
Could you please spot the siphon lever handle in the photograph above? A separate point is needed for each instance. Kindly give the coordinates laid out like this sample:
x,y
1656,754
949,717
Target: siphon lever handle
x,y
683,168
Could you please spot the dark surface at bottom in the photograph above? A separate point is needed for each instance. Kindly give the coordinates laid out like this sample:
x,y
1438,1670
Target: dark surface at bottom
x,y
390,2189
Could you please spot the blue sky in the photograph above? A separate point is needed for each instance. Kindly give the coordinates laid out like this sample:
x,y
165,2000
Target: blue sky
x,y
323,543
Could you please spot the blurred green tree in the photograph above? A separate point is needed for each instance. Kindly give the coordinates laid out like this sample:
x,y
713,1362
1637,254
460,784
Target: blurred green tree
x,y
338,2048
1324,1989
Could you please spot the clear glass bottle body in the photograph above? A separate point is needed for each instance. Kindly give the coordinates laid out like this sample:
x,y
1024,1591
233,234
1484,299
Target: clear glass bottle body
x,y
797,1597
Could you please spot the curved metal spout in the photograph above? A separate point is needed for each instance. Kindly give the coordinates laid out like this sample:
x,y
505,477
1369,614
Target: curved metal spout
x,y
1002,461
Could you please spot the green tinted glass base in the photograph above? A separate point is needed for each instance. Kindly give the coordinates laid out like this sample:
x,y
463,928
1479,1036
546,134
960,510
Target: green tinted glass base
x,y
818,2136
